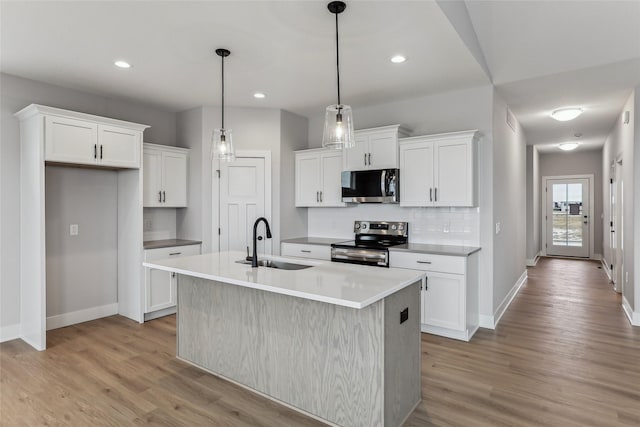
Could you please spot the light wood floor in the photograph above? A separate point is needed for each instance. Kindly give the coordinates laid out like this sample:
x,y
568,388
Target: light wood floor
x,y
563,355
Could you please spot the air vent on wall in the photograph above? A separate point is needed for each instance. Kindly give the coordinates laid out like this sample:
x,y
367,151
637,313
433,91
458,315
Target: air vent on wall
x,y
511,120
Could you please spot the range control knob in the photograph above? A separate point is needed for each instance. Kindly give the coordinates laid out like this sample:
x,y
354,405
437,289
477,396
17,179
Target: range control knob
x,y
401,227
357,226
364,226
394,227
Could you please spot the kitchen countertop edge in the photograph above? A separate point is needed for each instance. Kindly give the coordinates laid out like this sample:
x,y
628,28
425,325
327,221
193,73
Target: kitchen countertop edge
x,y
167,243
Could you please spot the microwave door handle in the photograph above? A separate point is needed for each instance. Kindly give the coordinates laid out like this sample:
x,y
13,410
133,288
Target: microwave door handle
x,y
383,183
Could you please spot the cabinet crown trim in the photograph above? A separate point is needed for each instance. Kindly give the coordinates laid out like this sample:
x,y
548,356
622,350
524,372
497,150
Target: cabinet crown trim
x,y
397,128
148,145
35,109
472,134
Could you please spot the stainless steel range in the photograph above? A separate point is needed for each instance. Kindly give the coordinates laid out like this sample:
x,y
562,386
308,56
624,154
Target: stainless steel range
x,y
373,238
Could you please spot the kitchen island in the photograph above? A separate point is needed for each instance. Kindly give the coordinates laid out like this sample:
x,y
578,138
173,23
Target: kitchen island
x,y
339,342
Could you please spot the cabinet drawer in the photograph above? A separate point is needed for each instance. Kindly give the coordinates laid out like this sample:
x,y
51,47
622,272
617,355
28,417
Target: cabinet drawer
x,y
306,251
427,262
171,252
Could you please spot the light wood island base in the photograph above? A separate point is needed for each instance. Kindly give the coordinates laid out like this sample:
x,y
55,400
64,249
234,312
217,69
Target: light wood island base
x,y
345,366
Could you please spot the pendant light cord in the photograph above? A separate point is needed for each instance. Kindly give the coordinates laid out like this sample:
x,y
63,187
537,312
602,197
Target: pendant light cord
x,y
222,93
338,58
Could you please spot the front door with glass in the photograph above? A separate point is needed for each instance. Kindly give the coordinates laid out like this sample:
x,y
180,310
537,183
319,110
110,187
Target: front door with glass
x,y
568,217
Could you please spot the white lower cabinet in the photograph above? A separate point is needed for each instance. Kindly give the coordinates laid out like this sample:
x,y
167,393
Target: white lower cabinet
x,y
449,293
160,286
300,250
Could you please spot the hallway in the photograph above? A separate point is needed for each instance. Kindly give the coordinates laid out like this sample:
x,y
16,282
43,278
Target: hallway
x,y
563,354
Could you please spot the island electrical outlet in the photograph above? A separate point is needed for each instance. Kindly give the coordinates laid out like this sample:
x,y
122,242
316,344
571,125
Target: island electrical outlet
x,y
404,315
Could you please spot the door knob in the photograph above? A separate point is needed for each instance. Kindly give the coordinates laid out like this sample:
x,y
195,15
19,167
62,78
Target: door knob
x,y
259,237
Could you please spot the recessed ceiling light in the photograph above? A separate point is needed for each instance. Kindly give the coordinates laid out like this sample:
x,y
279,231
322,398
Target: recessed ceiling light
x,y
398,59
566,114
568,146
122,64
259,95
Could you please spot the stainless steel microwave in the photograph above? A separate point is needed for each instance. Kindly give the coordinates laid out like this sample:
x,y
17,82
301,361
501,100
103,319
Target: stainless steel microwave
x,y
371,186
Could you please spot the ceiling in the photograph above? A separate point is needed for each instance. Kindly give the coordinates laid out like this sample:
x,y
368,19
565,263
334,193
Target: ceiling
x,y
540,55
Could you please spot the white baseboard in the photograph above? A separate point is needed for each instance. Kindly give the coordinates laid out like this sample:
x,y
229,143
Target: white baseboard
x,y
490,322
448,333
66,319
531,262
634,317
10,332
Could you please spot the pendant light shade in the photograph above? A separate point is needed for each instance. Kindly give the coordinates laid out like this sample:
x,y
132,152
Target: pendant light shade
x,y
222,141
338,118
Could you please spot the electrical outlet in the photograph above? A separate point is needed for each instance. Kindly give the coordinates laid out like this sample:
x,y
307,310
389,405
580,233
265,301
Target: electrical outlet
x,y
73,230
497,228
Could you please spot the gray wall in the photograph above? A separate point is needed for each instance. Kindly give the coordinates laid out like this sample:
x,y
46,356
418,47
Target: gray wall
x,y
446,112
82,270
509,203
579,163
293,134
620,143
533,203
271,130
17,93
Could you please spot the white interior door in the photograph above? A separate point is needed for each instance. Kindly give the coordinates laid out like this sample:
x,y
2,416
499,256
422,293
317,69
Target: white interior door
x,y
568,217
617,227
242,201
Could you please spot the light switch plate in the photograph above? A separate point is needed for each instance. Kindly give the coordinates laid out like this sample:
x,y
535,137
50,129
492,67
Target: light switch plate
x,y
73,230
497,228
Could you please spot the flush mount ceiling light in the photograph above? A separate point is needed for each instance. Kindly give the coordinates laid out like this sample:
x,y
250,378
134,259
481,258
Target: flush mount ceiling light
x,y
259,95
398,59
338,118
222,143
568,146
122,64
566,114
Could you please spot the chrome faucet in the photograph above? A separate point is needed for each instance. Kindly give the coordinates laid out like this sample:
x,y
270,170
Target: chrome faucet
x,y
254,259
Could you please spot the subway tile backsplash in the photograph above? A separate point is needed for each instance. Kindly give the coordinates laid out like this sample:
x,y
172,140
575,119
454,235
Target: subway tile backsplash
x,y
442,226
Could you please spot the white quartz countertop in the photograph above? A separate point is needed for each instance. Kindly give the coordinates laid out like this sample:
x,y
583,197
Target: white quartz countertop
x,y
349,285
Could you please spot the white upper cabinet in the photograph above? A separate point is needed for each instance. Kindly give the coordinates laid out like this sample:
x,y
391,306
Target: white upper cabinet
x,y
317,178
375,148
78,138
164,176
439,170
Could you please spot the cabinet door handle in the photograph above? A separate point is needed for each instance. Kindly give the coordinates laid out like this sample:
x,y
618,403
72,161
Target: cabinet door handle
x,y
423,262
317,196
164,196
365,159
426,283
175,253
95,151
321,197
173,274
435,192
431,194
369,159
159,196
101,151
305,251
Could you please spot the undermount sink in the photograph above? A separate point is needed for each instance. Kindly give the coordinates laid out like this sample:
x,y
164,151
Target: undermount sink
x,y
276,264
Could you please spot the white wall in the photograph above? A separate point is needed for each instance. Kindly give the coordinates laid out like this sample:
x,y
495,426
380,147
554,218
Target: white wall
x,y
635,120
509,204
446,112
620,143
533,203
82,270
159,223
579,163
17,93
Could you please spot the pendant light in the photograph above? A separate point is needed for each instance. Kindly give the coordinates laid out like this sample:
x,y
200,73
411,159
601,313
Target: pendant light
x,y
338,118
222,143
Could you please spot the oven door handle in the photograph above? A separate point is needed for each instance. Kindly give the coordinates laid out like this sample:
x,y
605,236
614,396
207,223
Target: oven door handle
x,y
383,183
379,257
